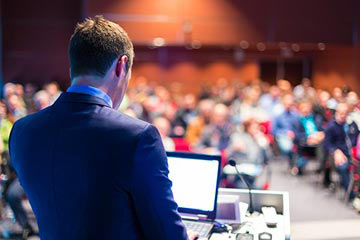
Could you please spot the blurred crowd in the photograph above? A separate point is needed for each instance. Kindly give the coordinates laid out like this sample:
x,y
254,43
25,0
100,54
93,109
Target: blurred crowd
x,y
254,123
251,124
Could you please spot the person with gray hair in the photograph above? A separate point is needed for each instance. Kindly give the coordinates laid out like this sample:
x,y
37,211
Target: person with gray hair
x,y
41,100
216,136
352,99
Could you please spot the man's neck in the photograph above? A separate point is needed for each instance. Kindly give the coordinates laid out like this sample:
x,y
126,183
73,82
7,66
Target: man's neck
x,y
91,81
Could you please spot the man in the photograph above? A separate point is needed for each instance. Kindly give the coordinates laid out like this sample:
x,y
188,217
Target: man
x,y
283,129
89,171
216,135
198,123
183,116
309,135
41,100
271,102
15,108
340,137
163,126
352,99
304,90
53,90
323,115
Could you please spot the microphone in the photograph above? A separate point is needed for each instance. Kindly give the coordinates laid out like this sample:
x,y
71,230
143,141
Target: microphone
x,y
233,164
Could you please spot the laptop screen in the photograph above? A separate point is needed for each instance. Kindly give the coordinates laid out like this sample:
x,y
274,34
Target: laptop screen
x,y
195,179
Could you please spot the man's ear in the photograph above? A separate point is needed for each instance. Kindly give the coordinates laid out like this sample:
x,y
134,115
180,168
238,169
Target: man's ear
x,y
121,65
118,67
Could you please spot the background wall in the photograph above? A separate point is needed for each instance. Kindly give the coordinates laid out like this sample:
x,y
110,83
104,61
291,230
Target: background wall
x,y
231,36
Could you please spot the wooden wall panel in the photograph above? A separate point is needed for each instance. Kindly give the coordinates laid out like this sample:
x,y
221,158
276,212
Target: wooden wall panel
x,y
36,35
337,67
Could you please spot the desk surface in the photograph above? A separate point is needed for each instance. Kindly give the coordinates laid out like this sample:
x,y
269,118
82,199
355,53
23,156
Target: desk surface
x,y
255,223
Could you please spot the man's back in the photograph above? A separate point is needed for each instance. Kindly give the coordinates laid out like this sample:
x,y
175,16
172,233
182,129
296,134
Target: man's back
x,y
91,172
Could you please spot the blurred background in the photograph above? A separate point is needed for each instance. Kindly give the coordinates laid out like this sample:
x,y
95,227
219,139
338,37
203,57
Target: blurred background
x,y
261,82
193,41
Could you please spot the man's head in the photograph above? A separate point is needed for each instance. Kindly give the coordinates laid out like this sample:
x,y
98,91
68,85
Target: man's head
x,y
288,101
19,90
13,102
163,125
337,93
52,89
41,100
9,89
252,94
305,107
353,100
306,82
274,91
324,98
206,107
189,101
220,114
342,111
101,55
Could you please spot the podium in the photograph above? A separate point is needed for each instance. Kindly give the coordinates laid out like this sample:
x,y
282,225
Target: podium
x,y
254,223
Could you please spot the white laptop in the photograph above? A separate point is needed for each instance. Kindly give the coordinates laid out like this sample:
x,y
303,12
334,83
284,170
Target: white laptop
x,y
195,179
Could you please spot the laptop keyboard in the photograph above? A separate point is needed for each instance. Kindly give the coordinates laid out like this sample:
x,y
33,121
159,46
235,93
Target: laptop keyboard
x,y
202,228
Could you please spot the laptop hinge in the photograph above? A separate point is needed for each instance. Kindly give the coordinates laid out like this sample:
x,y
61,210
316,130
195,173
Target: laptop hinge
x,y
198,217
187,217
202,217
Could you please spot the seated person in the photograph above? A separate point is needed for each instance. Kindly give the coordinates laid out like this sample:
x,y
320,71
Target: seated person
x,y
339,140
14,194
216,135
323,114
308,135
163,125
198,123
249,149
283,128
249,108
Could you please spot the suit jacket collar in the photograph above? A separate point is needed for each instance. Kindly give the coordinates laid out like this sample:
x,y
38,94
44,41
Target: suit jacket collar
x,y
83,98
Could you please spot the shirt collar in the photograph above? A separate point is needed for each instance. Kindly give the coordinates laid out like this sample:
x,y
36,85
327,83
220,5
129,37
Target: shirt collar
x,y
91,91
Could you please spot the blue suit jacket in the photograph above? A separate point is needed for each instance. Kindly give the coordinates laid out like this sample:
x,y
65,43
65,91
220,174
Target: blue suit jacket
x,y
91,172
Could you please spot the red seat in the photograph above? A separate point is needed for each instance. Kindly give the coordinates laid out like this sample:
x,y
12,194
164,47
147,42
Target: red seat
x,y
181,145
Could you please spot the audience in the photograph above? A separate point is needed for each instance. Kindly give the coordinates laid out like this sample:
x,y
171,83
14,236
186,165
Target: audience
x,y
235,120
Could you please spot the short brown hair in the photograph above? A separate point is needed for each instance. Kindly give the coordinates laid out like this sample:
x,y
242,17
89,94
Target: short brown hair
x,y
94,46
